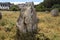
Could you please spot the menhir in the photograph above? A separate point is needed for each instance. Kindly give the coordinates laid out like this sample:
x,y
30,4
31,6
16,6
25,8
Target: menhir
x,y
27,22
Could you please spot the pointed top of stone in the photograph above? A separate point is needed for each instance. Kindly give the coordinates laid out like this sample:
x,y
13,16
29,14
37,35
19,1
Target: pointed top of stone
x,y
30,3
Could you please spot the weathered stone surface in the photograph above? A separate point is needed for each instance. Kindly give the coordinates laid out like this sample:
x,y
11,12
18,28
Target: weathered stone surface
x,y
30,4
55,12
27,23
0,15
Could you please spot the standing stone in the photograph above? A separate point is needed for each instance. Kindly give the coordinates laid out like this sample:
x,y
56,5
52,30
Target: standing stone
x,y
55,12
27,23
0,15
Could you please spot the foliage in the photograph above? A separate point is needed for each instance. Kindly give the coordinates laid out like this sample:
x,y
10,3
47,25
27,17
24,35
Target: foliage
x,y
40,8
14,8
56,6
48,5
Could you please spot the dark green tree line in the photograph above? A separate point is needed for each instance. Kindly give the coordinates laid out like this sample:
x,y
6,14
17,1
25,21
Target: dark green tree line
x,y
48,5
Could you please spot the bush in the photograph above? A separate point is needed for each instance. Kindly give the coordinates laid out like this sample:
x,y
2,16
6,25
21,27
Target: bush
x,y
14,8
40,8
47,9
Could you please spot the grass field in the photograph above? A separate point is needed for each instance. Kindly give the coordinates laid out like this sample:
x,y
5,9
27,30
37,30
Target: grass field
x,y
48,25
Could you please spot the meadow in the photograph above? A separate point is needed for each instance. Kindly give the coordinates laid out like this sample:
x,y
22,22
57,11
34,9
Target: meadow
x,y
48,25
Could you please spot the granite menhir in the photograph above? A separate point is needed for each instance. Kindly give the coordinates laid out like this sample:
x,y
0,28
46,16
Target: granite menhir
x,y
27,23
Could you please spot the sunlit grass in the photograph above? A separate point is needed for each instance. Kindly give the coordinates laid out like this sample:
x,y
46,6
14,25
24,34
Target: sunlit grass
x,y
48,25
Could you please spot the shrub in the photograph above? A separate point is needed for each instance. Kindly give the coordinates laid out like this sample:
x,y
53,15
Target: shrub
x,y
47,9
14,8
40,8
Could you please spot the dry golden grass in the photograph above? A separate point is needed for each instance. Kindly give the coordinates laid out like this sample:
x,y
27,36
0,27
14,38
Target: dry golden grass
x,y
48,25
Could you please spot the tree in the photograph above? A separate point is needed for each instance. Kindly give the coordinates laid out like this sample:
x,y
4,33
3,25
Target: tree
x,y
50,3
56,6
